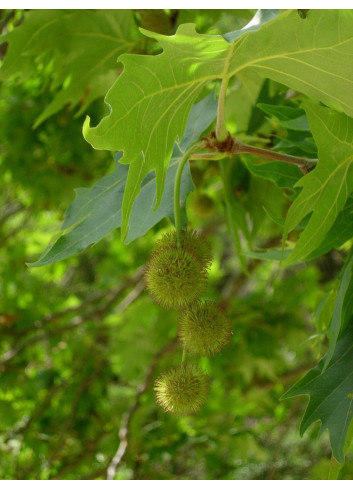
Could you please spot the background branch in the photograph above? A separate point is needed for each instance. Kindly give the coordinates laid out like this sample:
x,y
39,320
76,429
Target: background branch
x,y
124,431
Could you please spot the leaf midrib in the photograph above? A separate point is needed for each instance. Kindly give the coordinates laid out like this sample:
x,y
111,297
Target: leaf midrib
x,y
226,74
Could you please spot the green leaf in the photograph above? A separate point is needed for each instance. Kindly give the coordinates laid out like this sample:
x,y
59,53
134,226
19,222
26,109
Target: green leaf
x,y
343,309
281,112
340,233
330,394
297,143
94,213
327,188
143,215
97,211
82,45
298,124
261,17
144,122
282,174
235,213
241,98
267,95
313,56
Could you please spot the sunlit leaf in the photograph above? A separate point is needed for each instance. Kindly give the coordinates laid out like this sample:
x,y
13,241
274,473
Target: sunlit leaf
x,y
144,122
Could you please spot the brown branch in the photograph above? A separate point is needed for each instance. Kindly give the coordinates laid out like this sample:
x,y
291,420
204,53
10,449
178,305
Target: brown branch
x,y
124,431
75,322
10,210
304,164
233,146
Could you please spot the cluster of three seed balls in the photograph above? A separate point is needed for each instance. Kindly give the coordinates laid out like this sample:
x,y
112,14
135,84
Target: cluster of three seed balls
x,y
176,277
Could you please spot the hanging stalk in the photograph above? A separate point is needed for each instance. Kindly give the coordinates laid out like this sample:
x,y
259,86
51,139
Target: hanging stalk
x,y
177,213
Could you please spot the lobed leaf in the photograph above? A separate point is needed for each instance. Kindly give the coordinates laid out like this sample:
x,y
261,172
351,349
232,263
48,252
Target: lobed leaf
x,y
151,100
282,174
330,394
97,211
343,308
82,46
327,188
340,233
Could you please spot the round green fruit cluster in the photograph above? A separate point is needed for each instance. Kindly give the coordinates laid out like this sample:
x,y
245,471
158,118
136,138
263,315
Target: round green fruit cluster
x,y
176,277
176,274
182,390
204,328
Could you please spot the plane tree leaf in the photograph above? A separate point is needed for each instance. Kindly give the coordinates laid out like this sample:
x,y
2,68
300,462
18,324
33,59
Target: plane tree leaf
x,y
81,45
96,211
282,174
150,101
143,215
331,394
326,189
343,308
341,231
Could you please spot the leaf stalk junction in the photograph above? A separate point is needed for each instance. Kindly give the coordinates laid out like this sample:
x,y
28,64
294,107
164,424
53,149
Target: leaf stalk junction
x,y
233,146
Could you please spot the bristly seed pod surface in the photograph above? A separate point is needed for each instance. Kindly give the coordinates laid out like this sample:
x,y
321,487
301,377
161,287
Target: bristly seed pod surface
x,y
204,328
177,275
182,390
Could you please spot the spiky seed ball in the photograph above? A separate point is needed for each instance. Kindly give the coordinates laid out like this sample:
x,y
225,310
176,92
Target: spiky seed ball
x,y
204,328
191,241
176,275
182,390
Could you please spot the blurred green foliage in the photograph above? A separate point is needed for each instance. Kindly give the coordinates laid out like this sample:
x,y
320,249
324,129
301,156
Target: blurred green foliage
x,y
82,343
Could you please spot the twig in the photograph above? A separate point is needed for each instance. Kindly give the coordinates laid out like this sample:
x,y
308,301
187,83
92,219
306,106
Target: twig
x,y
133,295
74,323
233,146
124,431
10,210
305,164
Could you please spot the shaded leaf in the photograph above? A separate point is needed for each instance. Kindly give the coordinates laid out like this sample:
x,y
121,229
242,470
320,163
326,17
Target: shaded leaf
x,y
331,394
327,188
298,124
267,95
282,174
297,143
97,211
83,47
341,231
343,309
281,112
297,139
